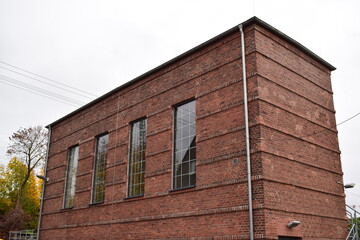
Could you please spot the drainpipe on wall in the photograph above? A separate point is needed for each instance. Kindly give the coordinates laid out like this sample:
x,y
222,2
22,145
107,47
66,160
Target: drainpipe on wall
x,y
43,185
248,163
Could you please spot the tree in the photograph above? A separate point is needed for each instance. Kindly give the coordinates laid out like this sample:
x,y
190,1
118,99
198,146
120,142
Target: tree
x,y
20,189
29,146
11,178
5,202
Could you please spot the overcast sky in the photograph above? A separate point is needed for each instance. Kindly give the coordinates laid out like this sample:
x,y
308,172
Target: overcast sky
x,y
95,46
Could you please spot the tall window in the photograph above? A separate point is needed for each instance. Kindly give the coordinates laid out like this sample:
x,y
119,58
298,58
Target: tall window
x,y
71,177
137,159
98,194
185,146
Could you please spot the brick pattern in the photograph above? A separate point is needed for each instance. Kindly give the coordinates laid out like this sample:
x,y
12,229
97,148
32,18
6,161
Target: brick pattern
x,y
301,156
289,96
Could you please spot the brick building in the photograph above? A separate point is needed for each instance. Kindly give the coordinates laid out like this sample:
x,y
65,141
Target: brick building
x,y
164,155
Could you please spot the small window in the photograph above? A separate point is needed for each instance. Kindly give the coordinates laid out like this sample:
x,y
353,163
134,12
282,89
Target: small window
x,y
98,194
137,159
70,183
184,174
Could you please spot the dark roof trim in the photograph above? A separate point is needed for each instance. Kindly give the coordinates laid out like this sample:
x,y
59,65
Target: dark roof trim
x,y
253,20
290,40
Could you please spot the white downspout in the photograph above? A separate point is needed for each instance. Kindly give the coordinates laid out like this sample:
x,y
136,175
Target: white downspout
x,y
248,162
43,184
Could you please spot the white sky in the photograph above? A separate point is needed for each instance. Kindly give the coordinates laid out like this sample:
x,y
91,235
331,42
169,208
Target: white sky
x,y
96,46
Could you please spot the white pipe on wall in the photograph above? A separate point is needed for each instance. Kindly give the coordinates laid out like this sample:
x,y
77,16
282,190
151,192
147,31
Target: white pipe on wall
x,y
248,162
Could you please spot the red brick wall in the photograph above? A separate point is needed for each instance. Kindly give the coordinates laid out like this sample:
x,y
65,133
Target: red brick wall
x,y
300,157
289,96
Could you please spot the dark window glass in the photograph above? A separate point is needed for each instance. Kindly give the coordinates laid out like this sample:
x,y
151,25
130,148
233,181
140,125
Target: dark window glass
x,y
137,158
71,177
185,146
100,169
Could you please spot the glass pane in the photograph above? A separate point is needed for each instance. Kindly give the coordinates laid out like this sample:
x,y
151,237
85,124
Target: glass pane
x,y
137,158
100,168
184,144
192,130
185,168
192,167
178,146
178,169
178,182
192,141
179,123
186,131
192,107
178,157
71,176
185,108
193,153
185,181
192,179
143,166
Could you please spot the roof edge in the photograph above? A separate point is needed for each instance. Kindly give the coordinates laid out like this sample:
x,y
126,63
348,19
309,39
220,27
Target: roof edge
x,y
289,39
253,20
